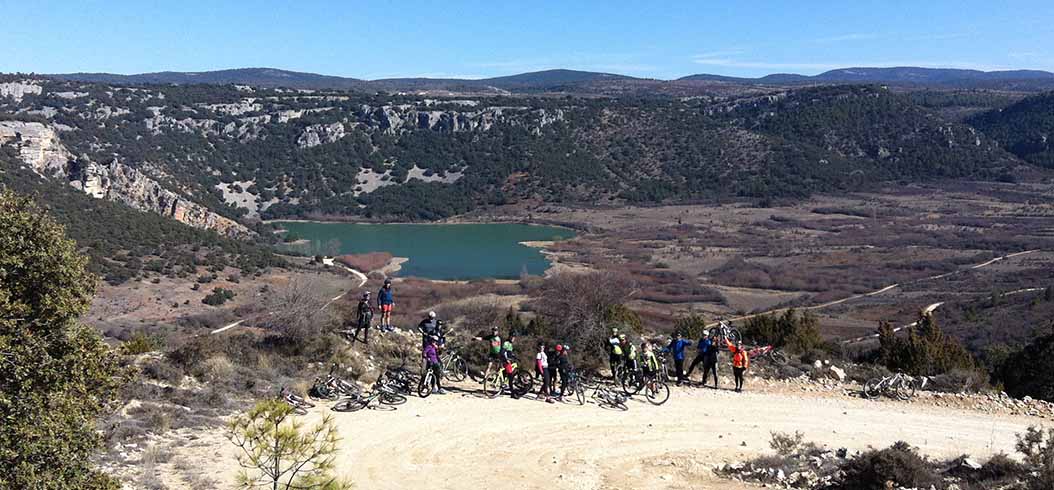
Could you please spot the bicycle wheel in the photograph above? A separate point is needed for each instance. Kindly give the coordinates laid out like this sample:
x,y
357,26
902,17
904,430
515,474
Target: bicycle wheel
x,y
657,392
426,386
522,383
347,388
392,398
351,405
298,409
632,382
905,389
873,388
493,384
733,335
457,369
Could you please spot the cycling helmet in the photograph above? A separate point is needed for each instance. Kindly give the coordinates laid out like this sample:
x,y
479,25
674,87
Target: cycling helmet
x,y
431,314
366,294
387,282
622,336
433,338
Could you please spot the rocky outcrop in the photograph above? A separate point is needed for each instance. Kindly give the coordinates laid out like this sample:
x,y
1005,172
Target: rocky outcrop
x,y
39,147
318,134
17,90
394,118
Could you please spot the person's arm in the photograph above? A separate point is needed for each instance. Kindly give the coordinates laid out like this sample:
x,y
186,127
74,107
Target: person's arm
x,y
731,346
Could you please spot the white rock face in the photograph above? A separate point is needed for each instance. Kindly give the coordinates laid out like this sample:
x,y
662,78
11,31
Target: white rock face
x,y
39,147
317,134
17,90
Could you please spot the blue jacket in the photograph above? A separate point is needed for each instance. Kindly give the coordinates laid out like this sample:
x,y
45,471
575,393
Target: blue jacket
x,y
384,297
677,346
704,345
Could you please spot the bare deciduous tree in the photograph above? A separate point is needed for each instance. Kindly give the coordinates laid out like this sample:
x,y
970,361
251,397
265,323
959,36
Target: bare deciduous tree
x,y
299,309
578,306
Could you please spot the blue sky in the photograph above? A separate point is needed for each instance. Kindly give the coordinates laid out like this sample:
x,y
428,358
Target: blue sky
x,y
378,39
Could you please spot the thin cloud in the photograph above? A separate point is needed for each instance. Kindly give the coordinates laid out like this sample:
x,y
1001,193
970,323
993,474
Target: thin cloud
x,y
856,36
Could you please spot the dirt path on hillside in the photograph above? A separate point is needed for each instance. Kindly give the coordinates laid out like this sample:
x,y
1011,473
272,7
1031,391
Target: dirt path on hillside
x,y
460,439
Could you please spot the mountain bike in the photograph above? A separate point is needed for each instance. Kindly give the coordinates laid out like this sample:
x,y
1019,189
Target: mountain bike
x,y
428,384
380,397
575,389
496,382
767,353
656,391
900,386
332,387
605,396
399,379
664,367
632,381
454,366
299,404
727,331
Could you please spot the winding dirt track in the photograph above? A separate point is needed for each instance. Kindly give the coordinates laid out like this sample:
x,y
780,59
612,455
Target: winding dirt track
x,y
461,440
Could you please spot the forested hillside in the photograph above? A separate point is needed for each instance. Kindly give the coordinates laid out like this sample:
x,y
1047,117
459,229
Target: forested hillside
x,y
1025,128
246,153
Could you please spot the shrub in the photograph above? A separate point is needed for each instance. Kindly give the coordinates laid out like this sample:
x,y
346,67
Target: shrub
x,y
1037,447
785,444
926,351
799,333
1030,371
899,463
218,296
141,343
162,371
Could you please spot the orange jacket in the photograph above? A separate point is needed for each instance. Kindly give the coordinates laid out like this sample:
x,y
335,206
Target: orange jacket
x,y
740,359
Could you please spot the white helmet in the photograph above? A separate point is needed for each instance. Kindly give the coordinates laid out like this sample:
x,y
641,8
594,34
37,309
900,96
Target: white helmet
x,y
431,314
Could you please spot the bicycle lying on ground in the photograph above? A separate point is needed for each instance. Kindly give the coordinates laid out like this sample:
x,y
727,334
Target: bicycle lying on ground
x,y
332,387
496,383
607,396
767,353
399,380
299,404
900,386
380,397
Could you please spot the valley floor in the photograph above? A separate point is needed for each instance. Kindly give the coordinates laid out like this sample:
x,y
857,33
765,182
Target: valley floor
x,y
464,440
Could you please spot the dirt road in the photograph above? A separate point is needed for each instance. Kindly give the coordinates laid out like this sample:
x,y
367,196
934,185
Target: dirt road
x,y
461,440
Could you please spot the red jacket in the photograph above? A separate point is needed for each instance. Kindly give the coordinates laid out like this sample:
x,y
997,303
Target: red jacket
x,y
740,359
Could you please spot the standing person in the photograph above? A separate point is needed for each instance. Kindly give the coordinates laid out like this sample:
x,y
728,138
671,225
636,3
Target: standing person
x,y
677,345
629,353
649,363
710,363
365,311
563,367
493,349
541,365
431,357
385,302
614,352
701,350
508,356
429,327
740,362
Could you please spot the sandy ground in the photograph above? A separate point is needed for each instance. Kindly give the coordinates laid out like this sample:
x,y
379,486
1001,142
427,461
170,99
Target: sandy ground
x,y
461,439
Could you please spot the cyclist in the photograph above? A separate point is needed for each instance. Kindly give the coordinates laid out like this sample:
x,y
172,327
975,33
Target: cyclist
x,y
701,350
563,367
677,345
614,352
385,302
431,357
710,363
541,365
429,326
740,361
508,356
493,351
650,363
629,353
365,312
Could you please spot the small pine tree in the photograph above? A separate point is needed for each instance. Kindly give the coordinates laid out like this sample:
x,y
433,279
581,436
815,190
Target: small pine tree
x,y
277,451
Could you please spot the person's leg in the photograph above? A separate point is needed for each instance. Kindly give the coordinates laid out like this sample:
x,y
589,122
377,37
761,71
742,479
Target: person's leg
x,y
691,367
678,364
438,373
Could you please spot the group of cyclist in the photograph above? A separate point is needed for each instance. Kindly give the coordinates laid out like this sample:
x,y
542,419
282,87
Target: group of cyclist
x,y
624,355
553,362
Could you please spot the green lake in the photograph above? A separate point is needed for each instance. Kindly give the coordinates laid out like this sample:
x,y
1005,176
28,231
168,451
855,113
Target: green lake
x,y
457,251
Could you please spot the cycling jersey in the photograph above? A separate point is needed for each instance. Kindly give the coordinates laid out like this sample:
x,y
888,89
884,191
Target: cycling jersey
x,y
650,361
616,347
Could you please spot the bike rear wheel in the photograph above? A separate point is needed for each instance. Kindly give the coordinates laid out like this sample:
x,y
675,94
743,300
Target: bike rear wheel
x,y
873,388
351,405
632,382
657,392
457,369
392,399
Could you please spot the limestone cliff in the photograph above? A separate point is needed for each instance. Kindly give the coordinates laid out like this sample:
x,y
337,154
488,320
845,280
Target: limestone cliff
x,y
39,147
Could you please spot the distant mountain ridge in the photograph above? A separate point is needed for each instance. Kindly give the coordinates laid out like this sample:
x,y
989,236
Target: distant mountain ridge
x,y
558,80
